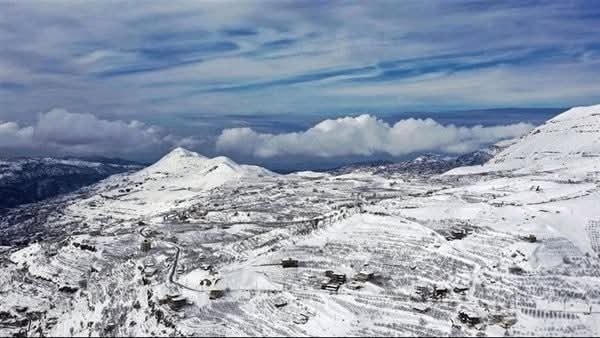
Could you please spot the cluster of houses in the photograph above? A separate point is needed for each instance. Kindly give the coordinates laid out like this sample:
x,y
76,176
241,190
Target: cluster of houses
x,y
422,292
334,281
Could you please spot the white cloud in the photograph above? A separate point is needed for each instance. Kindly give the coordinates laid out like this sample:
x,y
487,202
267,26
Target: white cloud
x,y
366,135
61,132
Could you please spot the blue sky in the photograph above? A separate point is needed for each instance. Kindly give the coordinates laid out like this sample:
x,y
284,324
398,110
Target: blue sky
x,y
177,65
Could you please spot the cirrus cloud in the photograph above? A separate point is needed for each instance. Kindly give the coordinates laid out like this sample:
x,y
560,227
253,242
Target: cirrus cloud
x,y
366,135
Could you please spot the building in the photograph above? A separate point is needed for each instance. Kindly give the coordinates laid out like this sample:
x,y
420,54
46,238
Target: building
x,y
289,263
517,270
468,317
149,272
364,276
355,285
177,302
422,290
337,278
301,319
216,294
440,292
421,308
456,234
460,289
146,245
280,302
329,286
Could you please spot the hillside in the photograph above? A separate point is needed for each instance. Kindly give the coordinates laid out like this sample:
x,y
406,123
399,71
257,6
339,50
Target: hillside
x,y
193,246
29,180
568,146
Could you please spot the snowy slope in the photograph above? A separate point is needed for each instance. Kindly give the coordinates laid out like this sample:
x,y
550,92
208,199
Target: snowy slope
x,y
214,225
27,180
182,168
174,181
567,145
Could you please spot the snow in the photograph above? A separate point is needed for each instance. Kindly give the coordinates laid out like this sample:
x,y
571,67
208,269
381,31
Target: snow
x,y
243,220
174,181
569,144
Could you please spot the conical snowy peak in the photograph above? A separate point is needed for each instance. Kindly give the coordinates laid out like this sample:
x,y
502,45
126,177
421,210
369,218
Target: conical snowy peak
x,y
177,160
179,154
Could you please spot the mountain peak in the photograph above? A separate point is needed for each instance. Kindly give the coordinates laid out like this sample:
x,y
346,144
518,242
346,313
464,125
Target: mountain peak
x,y
182,152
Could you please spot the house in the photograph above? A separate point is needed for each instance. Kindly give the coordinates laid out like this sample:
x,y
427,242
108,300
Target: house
x,y
149,271
289,263
364,276
334,281
456,234
68,289
460,288
177,302
517,270
338,278
329,286
146,245
422,290
280,302
468,317
421,308
215,294
440,292
301,319
82,283
355,285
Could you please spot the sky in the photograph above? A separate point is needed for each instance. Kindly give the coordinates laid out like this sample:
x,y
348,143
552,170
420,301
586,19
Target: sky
x,y
263,81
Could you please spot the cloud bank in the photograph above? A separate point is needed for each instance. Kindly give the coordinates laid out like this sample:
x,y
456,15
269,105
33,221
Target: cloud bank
x,y
60,132
366,135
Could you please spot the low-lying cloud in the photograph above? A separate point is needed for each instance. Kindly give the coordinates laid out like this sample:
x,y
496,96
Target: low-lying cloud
x,y
60,132
366,135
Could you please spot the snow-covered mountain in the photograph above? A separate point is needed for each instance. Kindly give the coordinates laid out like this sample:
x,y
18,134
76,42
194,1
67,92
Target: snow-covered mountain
x,y
174,181
182,167
27,180
567,145
426,164
193,246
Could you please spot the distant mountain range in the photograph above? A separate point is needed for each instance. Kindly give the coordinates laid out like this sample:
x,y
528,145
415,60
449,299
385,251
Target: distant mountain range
x,y
28,180
426,164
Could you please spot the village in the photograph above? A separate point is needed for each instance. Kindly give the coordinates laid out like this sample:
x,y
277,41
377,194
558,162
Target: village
x,y
289,255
